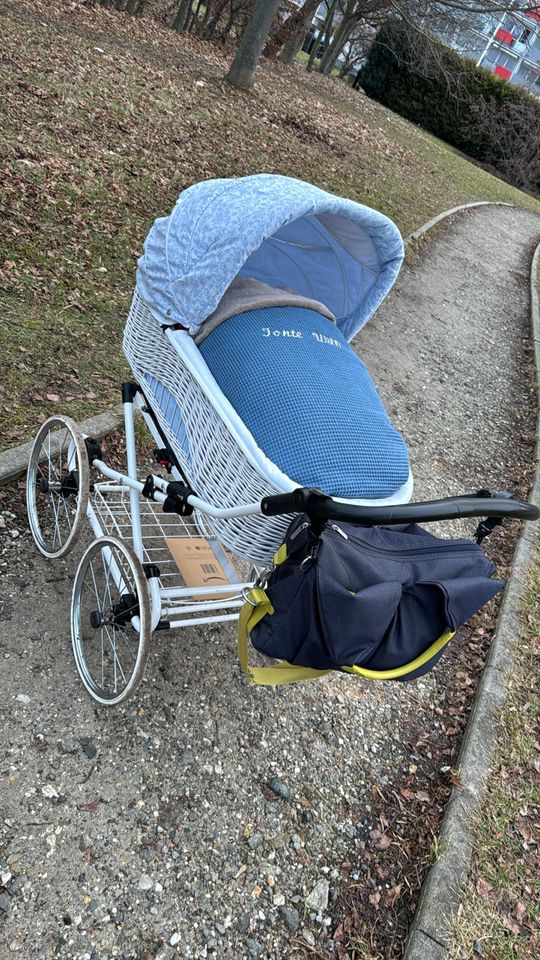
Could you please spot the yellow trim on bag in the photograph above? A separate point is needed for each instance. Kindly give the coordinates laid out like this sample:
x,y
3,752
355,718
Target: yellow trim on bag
x,y
407,667
280,555
258,606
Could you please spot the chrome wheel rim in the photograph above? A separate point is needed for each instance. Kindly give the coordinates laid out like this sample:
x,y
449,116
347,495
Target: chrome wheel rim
x,y
57,486
110,621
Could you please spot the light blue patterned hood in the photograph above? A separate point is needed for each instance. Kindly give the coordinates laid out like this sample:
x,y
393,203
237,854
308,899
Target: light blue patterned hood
x,y
276,229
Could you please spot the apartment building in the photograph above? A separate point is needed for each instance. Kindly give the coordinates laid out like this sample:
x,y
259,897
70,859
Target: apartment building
x,y
506,43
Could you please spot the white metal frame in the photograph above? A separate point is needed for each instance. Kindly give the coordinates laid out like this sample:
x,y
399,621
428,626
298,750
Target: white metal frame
x,y
116,507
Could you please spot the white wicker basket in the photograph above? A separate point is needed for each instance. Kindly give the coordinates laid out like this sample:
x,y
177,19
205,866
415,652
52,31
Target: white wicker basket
x,y
212,460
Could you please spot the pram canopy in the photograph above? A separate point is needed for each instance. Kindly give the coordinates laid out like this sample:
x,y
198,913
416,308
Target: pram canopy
x,y
275,229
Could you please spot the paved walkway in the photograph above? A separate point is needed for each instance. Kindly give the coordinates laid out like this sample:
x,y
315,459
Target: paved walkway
x,y
150,831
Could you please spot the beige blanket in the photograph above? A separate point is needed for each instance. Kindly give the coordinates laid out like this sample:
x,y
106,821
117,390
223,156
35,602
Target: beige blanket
x,y
246,294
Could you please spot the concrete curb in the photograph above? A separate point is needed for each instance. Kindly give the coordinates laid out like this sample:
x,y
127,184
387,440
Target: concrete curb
x,y
448,213
13,462
430,933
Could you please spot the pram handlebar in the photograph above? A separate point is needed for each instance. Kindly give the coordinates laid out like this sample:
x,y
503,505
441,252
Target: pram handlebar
x,y
318,506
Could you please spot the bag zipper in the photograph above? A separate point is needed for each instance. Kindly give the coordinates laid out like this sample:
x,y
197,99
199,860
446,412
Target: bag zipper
x,y
298,531
463,548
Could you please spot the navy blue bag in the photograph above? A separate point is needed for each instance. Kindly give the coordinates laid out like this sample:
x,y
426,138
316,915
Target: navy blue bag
x,y
381,602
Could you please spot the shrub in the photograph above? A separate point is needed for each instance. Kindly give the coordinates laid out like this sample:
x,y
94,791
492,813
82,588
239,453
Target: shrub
x,y
430,84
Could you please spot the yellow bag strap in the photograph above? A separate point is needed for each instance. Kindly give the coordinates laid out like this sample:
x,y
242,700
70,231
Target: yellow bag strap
x,y
407,667
258,606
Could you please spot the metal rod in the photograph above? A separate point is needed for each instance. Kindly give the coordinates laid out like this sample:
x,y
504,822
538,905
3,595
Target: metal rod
x,y
200,620
167,612
176,593
131,450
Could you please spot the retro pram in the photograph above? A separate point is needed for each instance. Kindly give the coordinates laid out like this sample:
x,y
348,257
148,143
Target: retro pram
x,y
247,296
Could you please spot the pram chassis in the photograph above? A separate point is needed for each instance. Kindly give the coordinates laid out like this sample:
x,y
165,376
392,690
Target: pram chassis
x,y
129,578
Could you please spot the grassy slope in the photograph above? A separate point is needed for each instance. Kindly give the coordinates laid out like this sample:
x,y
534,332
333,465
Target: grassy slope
x,y
104,120
500,915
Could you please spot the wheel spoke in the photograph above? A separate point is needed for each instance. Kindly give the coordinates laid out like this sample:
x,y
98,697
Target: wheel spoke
x,y
117,660
89,587
61,450
125,635
106,575
51,461
66,511
56,521
102,644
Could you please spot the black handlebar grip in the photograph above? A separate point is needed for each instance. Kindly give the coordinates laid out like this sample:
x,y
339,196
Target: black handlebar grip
x,y
452,508
293,502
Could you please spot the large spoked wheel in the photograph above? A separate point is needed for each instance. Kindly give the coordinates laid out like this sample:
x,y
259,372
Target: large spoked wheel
x,y
110,621
57,486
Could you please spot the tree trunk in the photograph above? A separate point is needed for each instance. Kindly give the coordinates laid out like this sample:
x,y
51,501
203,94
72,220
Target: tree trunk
x,y
323,32
194,17
207,15
208,32
242,70
182,14
335,46
228,26
292,48
345,67
287,34
317,40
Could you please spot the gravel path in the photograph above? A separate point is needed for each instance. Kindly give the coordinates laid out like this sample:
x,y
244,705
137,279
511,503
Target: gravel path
x,y
209,818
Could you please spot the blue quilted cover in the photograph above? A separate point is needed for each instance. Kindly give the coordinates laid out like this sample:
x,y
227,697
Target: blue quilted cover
x,y
308,400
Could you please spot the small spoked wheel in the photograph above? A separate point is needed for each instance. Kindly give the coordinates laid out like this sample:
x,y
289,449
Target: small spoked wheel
x,y
110,621
57,486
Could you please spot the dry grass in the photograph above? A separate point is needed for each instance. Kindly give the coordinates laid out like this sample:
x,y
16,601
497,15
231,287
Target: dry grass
x,y
104,120
500,915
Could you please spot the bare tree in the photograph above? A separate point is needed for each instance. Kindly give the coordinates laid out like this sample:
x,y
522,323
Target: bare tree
x,y
182,16
324,33
288,38
356,50
242,70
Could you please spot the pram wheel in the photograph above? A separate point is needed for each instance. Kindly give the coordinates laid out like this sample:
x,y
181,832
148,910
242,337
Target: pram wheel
x,y
57,485
110,621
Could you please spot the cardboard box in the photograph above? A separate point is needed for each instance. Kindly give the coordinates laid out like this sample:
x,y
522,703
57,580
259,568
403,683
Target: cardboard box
x,y
198,564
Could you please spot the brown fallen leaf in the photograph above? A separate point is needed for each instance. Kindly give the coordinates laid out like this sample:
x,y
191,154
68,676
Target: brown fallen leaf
x,y
392,895
520,912
408,794
90,807
53,397
483,887
510,923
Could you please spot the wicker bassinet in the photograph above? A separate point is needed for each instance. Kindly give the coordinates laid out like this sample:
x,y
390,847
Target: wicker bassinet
x,y
220,472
